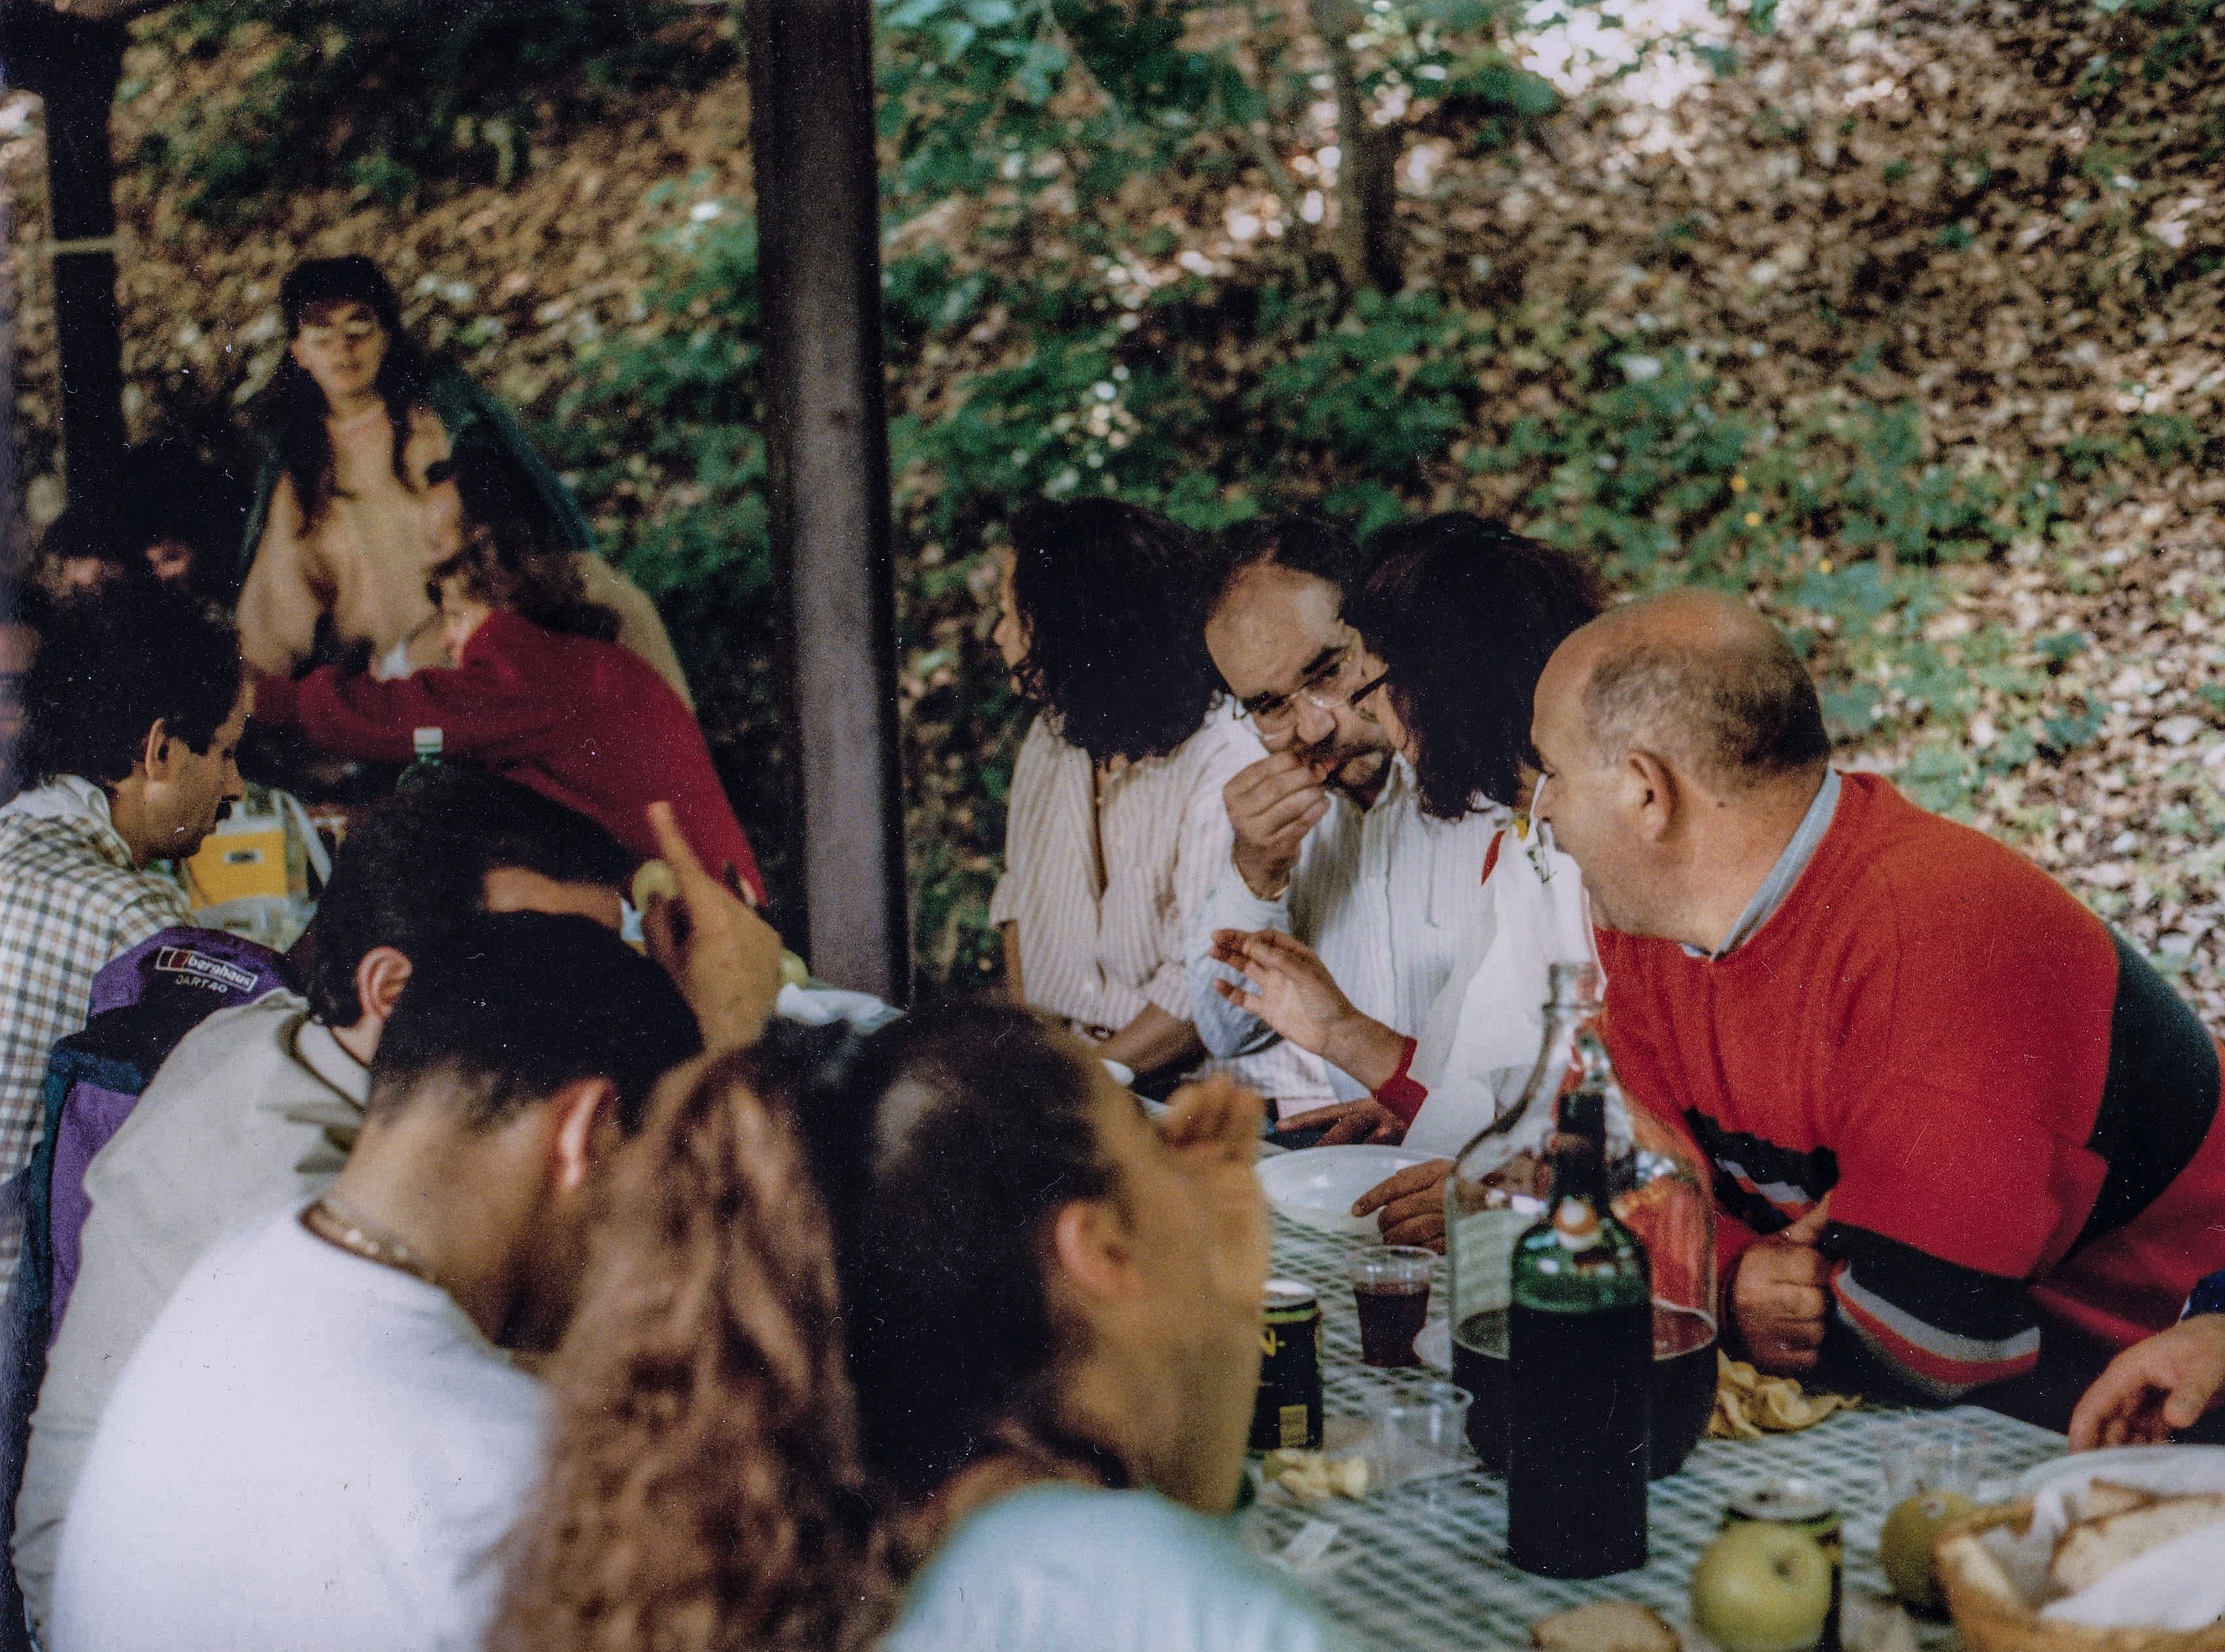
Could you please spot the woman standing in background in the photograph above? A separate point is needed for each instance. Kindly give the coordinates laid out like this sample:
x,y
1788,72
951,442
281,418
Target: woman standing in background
x,y
357,414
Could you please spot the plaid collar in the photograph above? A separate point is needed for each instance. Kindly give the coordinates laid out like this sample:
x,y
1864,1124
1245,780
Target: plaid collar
x,y
74,801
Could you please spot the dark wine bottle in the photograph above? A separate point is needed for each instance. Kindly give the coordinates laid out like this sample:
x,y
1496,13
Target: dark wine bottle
x,y
1580,1358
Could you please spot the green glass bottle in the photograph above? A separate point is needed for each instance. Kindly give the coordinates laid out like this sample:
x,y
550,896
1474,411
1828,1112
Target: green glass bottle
x,y
1580,1356
427,743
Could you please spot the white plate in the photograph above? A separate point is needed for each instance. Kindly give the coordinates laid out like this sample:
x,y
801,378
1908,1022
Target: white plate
x,y
1433,1347
2128,1464
1316,1185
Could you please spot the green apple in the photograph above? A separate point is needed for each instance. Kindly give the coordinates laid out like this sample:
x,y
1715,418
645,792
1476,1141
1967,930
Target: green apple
x,y
1762,1588
1905,1546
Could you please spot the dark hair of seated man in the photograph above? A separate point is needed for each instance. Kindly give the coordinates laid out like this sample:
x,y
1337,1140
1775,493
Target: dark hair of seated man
x,y
509,1008
1300,543
111,667
417,871
1464,612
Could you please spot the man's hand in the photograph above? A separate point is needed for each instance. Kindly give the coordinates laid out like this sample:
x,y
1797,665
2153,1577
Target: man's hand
x,y
1289,987
1410,1207
1272,805
724,958
1349,1122
1780,1293
2154,1387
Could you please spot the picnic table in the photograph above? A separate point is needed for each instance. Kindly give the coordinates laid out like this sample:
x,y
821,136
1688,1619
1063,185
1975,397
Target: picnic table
x,y
1423,1565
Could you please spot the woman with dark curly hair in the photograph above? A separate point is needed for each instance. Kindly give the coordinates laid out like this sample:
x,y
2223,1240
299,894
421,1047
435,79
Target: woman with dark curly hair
x,y
355,416
1458,618
1116,828
942,1333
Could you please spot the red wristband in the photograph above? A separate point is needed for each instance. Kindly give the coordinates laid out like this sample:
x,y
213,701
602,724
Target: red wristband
x,y
1399,1093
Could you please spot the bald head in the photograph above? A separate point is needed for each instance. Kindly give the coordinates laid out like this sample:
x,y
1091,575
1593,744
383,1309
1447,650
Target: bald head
x,y
1700,678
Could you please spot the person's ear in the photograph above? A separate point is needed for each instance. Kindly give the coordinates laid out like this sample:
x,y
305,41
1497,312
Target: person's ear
x,y
1093,1249
1649,786
160,755
584,1115
379,977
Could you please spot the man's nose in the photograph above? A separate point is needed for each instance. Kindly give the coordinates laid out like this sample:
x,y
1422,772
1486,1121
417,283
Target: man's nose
x,y
1313,725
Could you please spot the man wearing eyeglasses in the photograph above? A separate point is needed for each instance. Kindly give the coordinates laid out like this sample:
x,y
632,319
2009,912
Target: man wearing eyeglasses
x,y
1330,842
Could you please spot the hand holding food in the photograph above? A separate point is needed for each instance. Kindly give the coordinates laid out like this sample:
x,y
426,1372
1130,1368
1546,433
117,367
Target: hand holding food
x,y
1272,805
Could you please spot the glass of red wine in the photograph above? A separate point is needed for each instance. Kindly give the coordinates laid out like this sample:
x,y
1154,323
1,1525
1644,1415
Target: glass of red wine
x,y
1391,1283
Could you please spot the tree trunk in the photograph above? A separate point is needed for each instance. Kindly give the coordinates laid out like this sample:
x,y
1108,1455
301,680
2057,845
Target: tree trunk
x,y
1367,240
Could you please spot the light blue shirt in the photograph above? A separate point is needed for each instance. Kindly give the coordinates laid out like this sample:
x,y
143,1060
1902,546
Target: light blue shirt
x,y
1064,1568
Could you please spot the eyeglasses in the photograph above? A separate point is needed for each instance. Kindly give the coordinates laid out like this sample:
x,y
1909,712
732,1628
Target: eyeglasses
x,y
1323,690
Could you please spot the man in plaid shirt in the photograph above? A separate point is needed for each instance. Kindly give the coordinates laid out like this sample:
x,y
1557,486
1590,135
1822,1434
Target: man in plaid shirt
x,y
135,705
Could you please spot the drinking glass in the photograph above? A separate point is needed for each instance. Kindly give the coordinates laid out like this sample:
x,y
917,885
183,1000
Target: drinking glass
x,y
1916,1455
1390,1287
1416,1430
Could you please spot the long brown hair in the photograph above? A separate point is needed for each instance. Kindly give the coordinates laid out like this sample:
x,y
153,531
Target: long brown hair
x,y
704,1489
505,562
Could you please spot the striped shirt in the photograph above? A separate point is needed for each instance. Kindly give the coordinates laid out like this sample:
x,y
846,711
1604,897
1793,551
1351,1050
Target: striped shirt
x,y
1103,890
1387,895
70,902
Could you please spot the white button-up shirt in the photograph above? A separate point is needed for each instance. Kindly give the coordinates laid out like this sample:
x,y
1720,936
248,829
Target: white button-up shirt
x,y
1105,888
1387,895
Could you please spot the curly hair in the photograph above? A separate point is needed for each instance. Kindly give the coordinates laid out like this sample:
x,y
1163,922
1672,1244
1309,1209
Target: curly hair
x,y
1464,612
704,1490
294,409
505,562
1111,598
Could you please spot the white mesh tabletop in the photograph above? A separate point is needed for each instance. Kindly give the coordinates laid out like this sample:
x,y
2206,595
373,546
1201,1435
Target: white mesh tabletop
x,y
1423,1568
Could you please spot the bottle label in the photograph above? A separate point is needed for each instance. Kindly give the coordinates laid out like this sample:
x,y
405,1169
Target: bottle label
x,y
1483,1260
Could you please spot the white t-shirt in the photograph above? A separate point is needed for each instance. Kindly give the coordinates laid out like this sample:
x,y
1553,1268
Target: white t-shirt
x,y
1063,1568
308,1450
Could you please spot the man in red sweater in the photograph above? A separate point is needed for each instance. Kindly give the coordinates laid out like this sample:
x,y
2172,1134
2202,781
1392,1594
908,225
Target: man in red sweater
x,y
1962,1134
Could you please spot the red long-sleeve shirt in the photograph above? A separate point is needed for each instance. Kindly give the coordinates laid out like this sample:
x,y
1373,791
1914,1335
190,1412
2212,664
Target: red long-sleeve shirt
x,y
2015,1119
586,723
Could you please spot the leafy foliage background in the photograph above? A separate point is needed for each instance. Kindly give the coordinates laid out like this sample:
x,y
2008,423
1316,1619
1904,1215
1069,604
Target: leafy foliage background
x,y
1789,334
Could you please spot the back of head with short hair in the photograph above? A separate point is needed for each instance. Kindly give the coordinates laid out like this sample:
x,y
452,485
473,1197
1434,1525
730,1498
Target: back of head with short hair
x,y
1736,702
411,874
511,1007
111,667
1300,543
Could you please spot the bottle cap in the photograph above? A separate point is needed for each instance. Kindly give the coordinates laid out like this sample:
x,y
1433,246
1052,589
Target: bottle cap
x,y
427,741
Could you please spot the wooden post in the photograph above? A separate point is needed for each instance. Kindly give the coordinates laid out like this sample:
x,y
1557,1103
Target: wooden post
x,y
818,271
73,63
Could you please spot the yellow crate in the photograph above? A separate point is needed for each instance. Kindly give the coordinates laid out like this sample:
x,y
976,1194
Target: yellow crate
x,y
243,856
